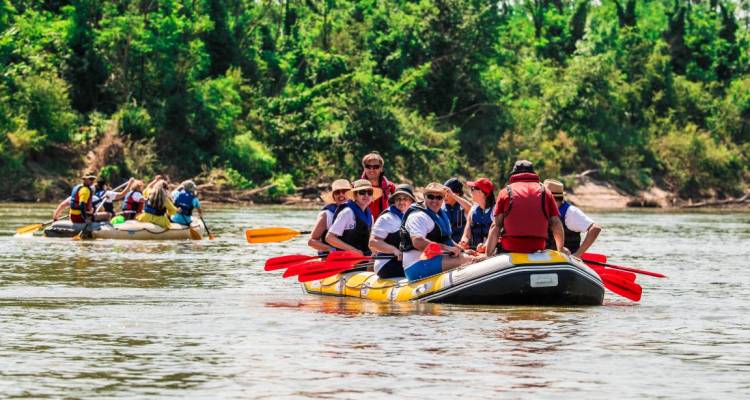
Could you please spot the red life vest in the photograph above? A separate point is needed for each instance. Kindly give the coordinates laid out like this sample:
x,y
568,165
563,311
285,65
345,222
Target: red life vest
x,y
526,215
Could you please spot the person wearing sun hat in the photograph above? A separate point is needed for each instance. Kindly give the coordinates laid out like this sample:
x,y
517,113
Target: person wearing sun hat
x,y
480,215
352,222
422,225
385,238
81,197
574,222
524,211
457,207
340,192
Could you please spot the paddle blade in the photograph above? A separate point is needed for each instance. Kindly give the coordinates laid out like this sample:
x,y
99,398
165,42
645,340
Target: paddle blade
x,y
431,251
270,235
298,268
628,276
211,236
28,229
349,256
195,235
628,290
601,258
281,262
78,236
588,259
328,269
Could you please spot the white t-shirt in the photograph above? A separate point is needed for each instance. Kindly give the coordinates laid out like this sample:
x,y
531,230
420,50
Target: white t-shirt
x,y
576,220
386,224
136,196
344,221
109,196
419,224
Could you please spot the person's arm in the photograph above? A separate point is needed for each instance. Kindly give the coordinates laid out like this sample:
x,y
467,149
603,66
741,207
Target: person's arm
x,y
121,195
421,243
171,209
557,232
345,219
465,204
466,238
494,235
591,234
60,207
317,233
379,245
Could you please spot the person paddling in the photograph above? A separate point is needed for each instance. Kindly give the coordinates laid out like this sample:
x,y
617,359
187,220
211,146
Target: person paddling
x,y
524,211
480,215
424,224
186,200
457,207
133,202
81,198
107,198
374,165
386,233
574,222
352,221
158,206
339,194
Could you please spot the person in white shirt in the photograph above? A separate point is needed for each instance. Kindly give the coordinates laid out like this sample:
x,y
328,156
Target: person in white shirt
x,y
352,221
385,238
574,222
341,191
426,224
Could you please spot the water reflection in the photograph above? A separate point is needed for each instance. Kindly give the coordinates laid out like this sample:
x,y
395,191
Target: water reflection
x,y
350,306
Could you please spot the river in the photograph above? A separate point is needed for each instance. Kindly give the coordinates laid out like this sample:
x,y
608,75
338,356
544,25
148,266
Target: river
x,y
117,319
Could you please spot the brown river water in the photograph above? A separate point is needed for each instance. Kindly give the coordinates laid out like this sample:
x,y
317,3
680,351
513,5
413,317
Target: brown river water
x,y
118,319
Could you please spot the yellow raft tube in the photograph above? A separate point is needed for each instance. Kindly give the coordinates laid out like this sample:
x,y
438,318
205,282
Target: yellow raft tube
x,y
544,278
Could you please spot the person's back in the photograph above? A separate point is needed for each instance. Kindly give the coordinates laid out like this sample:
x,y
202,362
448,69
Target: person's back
x,y
524,210
185,200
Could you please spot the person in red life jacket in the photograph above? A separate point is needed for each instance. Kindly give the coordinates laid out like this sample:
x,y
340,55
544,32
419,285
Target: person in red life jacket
x,y
574,222
341,191
386,233
457,207
81,197
424,224
132,203
352,221
373,165
480,215
524,211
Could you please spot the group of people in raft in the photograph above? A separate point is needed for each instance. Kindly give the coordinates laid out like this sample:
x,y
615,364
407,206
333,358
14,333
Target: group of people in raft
x,y
373,215
92,200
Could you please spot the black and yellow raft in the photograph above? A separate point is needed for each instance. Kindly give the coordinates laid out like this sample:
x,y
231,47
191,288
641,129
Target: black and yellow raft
x,y
544,278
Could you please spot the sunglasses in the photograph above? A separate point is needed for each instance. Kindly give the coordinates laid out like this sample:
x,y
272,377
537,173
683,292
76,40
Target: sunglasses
x,y
433,197
365,192
340,192
372,166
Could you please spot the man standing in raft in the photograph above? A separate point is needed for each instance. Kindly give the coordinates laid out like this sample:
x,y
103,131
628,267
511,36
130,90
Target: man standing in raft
x,y
374,165
574,222
525,210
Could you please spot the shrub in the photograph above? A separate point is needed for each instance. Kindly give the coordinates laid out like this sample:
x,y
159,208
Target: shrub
x,y
135,121
47,108
284,185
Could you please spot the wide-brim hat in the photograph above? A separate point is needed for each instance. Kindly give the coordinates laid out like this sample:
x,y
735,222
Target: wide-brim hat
x,y
363,184
434,187
522,166
404,189
555,187
339,184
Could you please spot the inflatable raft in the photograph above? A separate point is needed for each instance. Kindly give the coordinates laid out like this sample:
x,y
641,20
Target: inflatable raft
x,y
545,278
128,230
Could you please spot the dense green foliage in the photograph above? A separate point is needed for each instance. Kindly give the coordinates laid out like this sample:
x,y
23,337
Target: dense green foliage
x,y
293,91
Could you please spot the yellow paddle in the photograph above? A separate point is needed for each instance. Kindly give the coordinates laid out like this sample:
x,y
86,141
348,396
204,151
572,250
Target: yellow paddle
x,y
194,235
270,235
28,229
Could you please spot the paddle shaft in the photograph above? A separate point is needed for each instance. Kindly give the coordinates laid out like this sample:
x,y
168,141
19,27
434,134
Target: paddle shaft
x,y
208,231
636,270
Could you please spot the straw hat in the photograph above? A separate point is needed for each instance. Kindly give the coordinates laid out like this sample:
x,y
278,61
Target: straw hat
x,y
364,184
555,187
434,187
339,184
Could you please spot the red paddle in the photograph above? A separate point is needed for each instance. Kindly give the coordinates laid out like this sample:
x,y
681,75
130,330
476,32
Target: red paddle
x,y
594,259
281,262
627,289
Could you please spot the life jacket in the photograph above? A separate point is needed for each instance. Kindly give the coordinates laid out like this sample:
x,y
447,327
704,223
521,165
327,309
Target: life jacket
x,y
150,209
332,208
481,221
184,202
75,204
393,238
441,233
526,215
99,198
572,238
457,217
359,236
131,207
